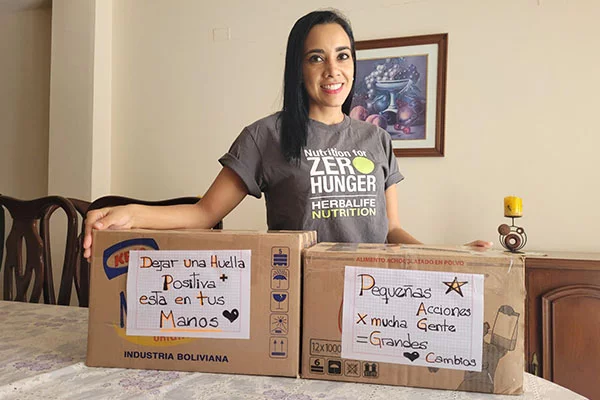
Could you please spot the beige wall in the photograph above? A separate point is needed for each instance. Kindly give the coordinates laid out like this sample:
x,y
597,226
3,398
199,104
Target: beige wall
x,y
71,99
80,105
522,85
522,88
24,99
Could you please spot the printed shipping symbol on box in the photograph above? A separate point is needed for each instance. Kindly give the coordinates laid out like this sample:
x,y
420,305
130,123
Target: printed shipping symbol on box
x,y
279,324
280,279
352,368
317,365
279,301
280,256
279,347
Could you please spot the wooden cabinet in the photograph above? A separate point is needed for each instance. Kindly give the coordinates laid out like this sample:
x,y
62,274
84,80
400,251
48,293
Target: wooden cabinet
x,y
562,342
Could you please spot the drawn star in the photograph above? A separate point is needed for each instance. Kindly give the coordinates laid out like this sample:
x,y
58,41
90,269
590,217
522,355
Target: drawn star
x,y
455,285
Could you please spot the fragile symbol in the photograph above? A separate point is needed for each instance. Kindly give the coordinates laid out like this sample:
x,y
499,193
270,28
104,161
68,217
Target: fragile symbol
x,y
411,356
279,299
231,315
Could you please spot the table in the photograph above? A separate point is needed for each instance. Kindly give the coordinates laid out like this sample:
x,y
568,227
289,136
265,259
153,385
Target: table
x,y
42,355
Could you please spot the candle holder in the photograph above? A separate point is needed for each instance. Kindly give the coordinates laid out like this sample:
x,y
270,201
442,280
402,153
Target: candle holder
x,y
512,237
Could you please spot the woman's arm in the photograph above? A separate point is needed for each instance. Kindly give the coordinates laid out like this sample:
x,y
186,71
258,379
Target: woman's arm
x,y
395,232
225,193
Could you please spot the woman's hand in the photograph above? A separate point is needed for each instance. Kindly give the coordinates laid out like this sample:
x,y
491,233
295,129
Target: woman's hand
x,y
480,244
105,218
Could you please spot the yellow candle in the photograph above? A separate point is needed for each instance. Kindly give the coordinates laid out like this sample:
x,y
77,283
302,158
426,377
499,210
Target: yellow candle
x,y
513,206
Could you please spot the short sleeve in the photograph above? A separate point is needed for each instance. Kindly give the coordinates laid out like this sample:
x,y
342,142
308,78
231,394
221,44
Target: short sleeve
x,y
394,176
245,159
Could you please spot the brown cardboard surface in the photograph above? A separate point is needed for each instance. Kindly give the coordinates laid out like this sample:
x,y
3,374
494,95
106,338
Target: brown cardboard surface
x,y
109,346
323,289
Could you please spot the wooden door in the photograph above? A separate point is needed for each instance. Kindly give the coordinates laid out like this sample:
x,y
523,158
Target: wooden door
x,y
563,323
571,338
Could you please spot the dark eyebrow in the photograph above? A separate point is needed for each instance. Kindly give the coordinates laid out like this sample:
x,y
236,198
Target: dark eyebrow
x,y
321,51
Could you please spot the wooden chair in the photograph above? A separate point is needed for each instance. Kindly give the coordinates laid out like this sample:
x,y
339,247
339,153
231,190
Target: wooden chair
x,y
113,201
2,230
32,271
82,294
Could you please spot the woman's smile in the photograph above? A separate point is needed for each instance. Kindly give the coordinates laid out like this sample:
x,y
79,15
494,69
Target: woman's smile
x,y
332,88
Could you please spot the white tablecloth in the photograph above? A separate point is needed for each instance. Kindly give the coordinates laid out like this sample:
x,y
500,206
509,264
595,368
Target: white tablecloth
x,y
42,354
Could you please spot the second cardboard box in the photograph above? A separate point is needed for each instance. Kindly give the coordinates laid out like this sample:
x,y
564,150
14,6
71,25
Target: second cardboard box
x,y
446,318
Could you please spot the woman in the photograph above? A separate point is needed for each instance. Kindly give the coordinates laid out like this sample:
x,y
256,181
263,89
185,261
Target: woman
x,y
319,169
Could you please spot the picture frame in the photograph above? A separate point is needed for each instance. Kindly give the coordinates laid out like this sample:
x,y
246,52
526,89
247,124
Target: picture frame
x,y
401,86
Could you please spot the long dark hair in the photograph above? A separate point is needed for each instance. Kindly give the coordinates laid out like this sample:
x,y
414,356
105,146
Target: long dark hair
x,y
294,116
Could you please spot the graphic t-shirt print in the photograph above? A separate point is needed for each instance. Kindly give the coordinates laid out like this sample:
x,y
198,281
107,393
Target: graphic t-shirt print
x,y
342,183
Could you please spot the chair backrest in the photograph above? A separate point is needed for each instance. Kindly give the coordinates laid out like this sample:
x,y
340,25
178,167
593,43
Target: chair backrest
x,y
32,270
82,207
2,230
113,201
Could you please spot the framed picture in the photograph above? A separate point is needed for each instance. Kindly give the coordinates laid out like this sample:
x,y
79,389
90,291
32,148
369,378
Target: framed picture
x,y
401,86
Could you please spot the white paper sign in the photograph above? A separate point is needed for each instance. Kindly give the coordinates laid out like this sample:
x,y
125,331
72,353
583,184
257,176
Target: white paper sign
x,y
424,318
189,293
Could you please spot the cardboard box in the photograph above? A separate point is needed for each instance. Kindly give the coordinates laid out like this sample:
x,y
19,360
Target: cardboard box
x,y
272,346
414,316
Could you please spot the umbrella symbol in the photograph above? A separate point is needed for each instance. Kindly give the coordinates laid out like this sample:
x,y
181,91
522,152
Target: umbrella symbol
x,y
279,278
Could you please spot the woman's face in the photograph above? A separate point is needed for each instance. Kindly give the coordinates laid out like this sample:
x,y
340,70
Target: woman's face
x,y
327,68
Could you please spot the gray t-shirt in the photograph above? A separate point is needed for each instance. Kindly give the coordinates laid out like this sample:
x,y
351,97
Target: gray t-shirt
x,y
339,187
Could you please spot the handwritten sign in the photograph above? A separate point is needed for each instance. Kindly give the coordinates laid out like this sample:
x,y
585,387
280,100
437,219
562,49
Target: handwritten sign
x,y
189,293
424,318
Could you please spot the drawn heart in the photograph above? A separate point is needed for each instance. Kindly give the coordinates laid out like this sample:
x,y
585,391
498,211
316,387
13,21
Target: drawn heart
x,y
233,314
411,356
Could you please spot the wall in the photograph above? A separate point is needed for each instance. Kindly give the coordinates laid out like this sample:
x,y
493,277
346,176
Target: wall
x,y
24,99
520,107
